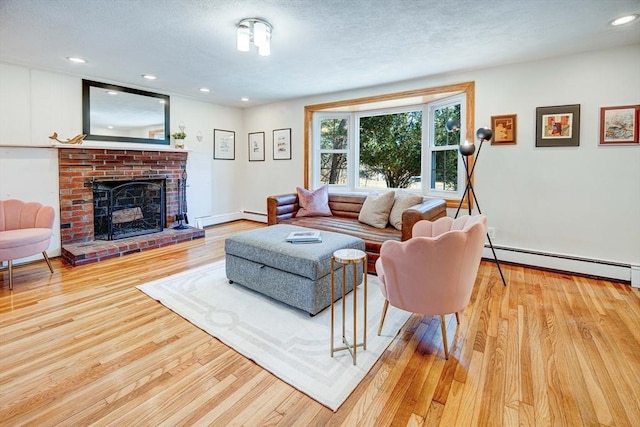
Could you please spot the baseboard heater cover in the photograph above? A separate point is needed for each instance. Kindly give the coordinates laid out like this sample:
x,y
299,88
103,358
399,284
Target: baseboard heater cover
x,y
563,263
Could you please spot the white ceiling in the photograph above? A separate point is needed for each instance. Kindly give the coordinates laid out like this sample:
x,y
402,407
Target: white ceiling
x,y
318,46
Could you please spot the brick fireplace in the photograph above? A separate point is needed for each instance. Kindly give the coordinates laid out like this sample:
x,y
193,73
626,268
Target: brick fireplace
x,y
81,168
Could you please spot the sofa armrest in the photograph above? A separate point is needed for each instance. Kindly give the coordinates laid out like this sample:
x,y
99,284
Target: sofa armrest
x,y
430,209
281,207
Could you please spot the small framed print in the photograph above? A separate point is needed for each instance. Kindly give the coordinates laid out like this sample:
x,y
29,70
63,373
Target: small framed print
x,y
224,144
619,125
256,147
558,126
282,144
504,129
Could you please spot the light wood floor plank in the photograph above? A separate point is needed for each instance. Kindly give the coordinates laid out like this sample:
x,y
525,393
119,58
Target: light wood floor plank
x,y
83,346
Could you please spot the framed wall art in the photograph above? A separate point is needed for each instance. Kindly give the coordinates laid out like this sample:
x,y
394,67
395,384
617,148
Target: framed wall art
x,y
558,126
224,144
619,125
504,129
256,147
282,144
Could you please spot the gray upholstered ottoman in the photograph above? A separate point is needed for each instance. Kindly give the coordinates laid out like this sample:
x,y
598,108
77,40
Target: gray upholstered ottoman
x,y
298,274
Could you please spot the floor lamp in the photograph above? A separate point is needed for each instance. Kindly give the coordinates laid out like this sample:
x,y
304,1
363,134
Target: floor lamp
x,y
467,149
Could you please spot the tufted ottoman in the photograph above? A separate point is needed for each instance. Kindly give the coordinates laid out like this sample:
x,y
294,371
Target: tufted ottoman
x,y
296,274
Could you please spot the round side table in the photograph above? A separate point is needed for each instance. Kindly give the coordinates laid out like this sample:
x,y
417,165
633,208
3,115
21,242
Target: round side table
x,y
348,257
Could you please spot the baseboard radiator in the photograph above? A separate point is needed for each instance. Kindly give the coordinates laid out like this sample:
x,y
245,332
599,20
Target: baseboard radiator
x,y
591,267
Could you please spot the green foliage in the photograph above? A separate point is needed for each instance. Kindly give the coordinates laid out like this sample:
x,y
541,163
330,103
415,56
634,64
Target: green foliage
x,y
179,135
390,145
333,136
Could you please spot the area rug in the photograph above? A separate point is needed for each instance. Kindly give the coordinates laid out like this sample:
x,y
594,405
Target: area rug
x,y
286,341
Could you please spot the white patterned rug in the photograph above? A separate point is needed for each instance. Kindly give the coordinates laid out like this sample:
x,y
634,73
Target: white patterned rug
x,y
287,342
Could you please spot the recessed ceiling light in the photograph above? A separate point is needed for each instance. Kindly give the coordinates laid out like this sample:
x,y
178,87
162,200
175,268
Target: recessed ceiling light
x,y
624,20
112,92
149,76
205,89
76,59
244,99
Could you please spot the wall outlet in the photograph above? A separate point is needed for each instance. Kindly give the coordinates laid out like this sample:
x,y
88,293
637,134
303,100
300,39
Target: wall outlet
x,y
491,231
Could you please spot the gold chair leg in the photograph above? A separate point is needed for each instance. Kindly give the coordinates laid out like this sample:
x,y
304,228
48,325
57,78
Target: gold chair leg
x,y
46,258
458,317
384,313
10,275
444,337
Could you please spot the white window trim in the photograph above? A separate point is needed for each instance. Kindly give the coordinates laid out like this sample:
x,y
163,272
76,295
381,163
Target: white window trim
x,y
317,151
355,170
428,148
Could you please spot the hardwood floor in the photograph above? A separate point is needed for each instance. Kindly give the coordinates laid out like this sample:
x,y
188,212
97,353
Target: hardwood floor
x,y
83,346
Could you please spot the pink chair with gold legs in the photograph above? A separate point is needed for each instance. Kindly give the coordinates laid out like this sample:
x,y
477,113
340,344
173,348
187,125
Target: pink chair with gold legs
x,y
25,230
433,273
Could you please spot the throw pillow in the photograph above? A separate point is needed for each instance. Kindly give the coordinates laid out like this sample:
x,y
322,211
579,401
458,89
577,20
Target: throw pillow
x,y
313,203
403,201
376,208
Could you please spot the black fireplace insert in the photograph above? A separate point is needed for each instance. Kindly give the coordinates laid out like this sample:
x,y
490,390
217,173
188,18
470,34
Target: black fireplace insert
x,y
128,208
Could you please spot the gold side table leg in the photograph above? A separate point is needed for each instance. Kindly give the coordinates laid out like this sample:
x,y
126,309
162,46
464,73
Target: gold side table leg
x,y
354,267
364,273
332,306
344,306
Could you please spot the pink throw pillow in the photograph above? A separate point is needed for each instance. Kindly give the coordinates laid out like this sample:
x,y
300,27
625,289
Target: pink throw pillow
x,y
314,203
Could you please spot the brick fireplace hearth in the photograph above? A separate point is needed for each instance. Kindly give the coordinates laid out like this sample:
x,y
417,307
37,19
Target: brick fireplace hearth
x,y
79,168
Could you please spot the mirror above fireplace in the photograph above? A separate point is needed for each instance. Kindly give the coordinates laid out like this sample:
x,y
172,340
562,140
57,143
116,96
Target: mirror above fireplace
x,y
116,113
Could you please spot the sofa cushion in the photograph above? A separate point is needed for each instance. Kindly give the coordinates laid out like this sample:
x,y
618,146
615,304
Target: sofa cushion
x,y
313,203
376,208
404,200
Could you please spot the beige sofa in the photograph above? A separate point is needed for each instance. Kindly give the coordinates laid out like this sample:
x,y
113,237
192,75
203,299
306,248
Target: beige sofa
x,y
345,208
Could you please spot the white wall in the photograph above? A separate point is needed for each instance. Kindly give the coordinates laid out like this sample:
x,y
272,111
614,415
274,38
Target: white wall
x,y
577,201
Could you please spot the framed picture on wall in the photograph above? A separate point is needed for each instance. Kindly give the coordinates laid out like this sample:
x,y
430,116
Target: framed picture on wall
x,y
282,144
224,144
504,129
256,147
619,125
558,126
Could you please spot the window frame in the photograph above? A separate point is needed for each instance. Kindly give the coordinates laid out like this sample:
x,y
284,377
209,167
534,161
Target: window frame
x,y
355,172
410,97
318,151
428,147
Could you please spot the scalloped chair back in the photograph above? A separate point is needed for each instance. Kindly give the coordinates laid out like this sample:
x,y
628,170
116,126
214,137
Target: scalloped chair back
x,y
433,273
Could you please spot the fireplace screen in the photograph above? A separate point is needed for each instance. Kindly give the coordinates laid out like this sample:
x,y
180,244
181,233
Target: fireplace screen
x,y
127,209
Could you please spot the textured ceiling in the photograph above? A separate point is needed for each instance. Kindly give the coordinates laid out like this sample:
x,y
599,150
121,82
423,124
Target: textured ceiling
x,y
318,46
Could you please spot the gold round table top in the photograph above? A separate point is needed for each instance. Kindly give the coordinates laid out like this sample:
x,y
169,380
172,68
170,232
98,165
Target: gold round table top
x,y
346,256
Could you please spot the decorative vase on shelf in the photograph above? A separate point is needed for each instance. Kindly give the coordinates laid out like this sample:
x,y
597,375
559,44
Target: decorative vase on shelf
x,y
179,143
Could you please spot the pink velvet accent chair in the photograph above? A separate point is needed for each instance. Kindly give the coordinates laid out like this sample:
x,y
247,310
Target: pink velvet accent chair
x,y
433,273
25,230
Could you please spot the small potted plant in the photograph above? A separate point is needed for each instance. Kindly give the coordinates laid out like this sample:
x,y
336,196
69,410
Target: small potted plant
x,y
179,138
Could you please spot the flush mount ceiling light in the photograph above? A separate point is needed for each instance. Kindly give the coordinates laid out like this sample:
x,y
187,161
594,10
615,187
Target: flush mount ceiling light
x,y
624,20
205,90
257,31
76,59
149,77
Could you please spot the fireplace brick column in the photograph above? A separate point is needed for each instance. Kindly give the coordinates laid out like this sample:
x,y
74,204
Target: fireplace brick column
x,y
79,166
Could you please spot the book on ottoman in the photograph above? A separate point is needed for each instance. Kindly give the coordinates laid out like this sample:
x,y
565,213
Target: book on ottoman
x,y
304,237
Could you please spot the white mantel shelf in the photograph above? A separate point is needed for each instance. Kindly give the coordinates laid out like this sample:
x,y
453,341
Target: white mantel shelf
x,y
104,146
